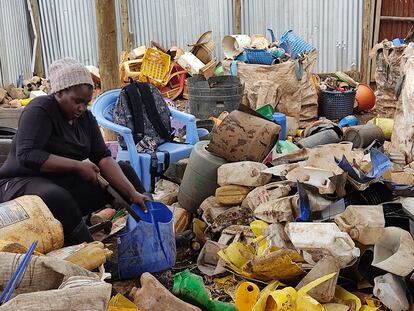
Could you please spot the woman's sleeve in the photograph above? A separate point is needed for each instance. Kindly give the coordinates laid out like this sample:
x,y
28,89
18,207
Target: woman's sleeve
x,y
98,147
35,128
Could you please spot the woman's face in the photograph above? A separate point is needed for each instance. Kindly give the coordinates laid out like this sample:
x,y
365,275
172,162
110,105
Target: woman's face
x,y
74,100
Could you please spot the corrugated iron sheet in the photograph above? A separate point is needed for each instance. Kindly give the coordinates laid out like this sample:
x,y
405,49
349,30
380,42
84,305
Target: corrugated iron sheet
x,y
16,46
333,27
395,29
68,27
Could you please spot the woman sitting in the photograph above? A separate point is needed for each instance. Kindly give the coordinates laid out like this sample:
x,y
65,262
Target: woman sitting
x,y
58,151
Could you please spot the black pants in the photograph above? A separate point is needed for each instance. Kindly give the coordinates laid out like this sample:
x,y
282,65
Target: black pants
x,y
68,198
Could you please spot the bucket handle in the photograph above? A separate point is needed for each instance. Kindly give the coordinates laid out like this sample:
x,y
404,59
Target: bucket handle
x,y
272,35
233,68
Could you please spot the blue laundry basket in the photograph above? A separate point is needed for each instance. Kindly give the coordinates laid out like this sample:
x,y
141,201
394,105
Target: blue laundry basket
x,y
294,45
147,245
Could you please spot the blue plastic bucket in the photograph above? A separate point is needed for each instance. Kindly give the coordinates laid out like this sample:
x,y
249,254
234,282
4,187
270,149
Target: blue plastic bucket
x,y
147,245
294,45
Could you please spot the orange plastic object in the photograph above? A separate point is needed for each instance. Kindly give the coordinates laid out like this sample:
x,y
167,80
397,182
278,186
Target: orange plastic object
x,y
155,67
130,69
365,97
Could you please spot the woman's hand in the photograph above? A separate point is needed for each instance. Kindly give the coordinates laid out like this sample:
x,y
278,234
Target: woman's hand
x,y
88,171
140,199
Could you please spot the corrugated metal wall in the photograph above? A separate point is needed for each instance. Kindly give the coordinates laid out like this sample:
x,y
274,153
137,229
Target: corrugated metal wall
x,y
333,27
15,46
68,27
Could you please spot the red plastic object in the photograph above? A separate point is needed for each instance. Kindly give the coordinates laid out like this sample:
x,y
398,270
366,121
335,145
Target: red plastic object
x,y
365,97
175,85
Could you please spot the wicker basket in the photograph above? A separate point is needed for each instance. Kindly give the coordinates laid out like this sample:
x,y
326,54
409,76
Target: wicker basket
x,y
337,105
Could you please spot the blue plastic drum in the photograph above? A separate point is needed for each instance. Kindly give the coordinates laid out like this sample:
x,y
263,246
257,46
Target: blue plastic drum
x,y
147,245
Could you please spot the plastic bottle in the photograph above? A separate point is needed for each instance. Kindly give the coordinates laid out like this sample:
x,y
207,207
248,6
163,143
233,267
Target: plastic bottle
x,y
190,288
91,256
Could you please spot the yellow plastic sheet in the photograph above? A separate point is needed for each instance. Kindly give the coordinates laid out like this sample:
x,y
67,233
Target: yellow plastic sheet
x,y
288,299
236,256
257,227
120,303
277,265
264,294
343,294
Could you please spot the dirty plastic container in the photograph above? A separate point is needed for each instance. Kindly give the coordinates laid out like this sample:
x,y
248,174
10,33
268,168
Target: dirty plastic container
x,y
364,223
280,118
321,138
190,63
394,252
362,136
200,177
233,45
209,98
391,291
294,45
147,245
319,239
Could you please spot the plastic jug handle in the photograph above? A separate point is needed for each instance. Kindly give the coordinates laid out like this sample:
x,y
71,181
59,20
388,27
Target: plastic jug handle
x,y
342,236
341,223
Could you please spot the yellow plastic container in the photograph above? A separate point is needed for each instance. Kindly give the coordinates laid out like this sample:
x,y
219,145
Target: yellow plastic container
x,y
130,69
90,257
385,124
231,195
246,296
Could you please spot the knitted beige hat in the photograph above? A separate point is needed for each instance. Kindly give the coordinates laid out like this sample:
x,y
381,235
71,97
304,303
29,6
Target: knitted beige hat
x,y
67,72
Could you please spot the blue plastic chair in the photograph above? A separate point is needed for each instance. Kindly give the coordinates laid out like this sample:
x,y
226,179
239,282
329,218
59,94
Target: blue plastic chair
x,y
141,162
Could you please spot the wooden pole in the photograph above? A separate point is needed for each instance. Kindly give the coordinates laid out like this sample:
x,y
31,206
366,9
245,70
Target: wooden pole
x,y
126,40
366,36
38,68
107,49
237,16
107,44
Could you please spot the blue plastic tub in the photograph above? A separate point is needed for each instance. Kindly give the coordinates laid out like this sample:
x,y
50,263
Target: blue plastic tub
x,y
294,45
147,245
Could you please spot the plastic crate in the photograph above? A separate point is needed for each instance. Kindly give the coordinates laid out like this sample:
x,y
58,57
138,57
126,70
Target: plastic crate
x,y
259,57
337,105
155,67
